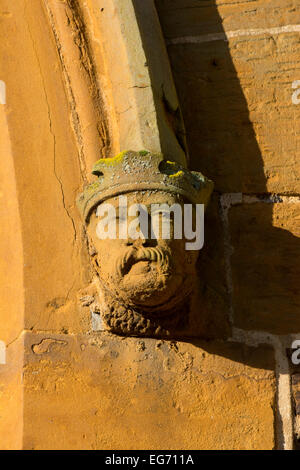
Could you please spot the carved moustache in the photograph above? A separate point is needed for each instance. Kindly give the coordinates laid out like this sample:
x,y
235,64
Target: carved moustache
x,y
133,255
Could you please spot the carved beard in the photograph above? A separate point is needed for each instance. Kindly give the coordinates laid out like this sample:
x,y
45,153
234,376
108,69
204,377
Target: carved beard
x,y
145,278
123,316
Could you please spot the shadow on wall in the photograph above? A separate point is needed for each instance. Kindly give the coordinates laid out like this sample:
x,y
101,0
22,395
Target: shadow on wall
x,y
264,263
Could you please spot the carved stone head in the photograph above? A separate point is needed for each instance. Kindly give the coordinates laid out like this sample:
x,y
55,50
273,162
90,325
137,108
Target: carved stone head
x,y
145,273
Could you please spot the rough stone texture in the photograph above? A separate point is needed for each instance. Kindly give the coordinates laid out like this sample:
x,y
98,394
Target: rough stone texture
x,y
115,393
265,266
12,297
146,286
296,392
11,396
89,118
293,355
213,295
47,171
138,84
193,17
296,407
11,250
245,81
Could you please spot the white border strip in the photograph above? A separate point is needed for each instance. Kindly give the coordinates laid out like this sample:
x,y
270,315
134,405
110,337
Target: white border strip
x,y
292,28
2,352
2,92
284,412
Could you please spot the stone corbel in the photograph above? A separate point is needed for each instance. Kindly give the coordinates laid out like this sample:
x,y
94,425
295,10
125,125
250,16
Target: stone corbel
x,y
146,286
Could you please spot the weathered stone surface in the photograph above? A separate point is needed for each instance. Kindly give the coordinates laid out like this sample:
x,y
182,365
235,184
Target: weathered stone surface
x,y
146,283
193,17
213,299
106,392
11,298
296,392
265,266
296,407
11,396
138,84
236,95
11,253
100,391
46,168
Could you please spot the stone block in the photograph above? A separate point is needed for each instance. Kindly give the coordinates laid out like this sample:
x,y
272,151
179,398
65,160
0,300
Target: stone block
x,y
265,266
236,97
101,391
191,17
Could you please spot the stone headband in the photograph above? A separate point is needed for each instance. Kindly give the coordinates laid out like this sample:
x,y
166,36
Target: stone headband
x,y
137,171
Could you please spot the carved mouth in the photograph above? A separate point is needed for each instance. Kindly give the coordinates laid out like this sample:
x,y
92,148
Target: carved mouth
x,y
152,255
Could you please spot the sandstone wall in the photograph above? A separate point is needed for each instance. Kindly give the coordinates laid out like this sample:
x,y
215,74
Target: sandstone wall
x,y
234,64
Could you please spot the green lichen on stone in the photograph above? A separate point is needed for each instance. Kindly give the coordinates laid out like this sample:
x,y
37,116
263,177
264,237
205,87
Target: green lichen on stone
x,y
92,187
143,152
142,170
109,162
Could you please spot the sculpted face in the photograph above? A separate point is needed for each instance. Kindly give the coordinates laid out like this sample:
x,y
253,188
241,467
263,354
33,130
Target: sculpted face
x,y
148,273
145,277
